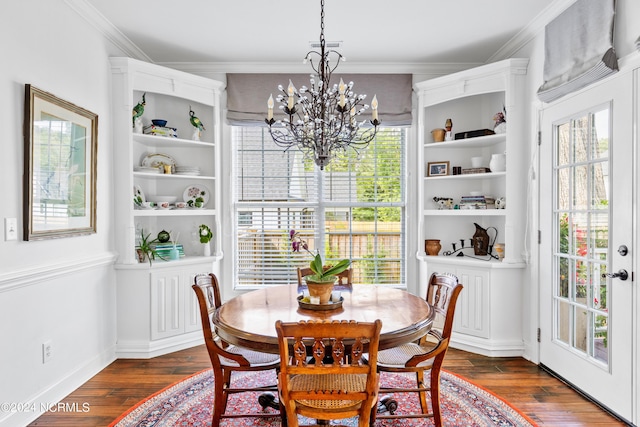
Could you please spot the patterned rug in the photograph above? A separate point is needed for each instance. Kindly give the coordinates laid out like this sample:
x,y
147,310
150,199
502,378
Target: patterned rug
x,y
188,403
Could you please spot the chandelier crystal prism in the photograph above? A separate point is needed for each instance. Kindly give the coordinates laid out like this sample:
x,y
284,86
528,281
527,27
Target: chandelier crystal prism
x,y
322,119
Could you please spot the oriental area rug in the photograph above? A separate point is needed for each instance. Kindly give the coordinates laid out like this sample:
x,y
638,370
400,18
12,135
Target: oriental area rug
x,y
188,403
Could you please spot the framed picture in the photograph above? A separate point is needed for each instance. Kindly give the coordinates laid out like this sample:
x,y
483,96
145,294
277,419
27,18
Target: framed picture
x,y
437,168
60,149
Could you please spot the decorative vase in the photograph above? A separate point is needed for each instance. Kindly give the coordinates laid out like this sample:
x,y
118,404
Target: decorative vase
x,y
432,246
206,249
480,241
142,255
476,162
438,135
498,163
321,290
499,247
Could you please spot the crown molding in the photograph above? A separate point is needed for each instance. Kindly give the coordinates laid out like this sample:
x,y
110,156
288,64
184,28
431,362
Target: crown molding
x,y
107,29
531,30
204,68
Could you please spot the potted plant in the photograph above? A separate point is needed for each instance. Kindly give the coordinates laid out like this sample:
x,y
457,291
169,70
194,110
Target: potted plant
x,y
321,282
146,250
205,234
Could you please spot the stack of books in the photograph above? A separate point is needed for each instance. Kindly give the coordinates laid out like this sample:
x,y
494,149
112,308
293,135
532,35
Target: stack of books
x,y
473,202
160,131
468,171
163,249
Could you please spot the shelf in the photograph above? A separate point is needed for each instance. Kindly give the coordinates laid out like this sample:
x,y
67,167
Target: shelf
x,y
163,141
468,261
173,212
146,175
480,141
474,176
464,212
160,264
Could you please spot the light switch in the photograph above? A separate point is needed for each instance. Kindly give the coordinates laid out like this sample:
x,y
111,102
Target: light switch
x,y
10,229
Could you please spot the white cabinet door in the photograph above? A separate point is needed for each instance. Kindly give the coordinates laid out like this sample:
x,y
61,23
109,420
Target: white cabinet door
x,y
192,310
474,302
167,303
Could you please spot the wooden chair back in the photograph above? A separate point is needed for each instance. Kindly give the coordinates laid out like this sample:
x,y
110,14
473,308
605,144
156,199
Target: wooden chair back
x,y
323,373
208,293
442,294
226,358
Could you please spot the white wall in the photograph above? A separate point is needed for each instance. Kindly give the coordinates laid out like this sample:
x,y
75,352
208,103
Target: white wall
x,y
60,290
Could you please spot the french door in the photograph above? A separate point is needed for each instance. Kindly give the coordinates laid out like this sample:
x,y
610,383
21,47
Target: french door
x,y
586,247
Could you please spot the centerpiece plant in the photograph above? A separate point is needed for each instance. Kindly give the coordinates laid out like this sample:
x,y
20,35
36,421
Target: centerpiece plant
x,y
321,273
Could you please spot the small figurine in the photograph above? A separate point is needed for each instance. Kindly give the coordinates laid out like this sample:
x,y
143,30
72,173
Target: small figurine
x,y
138,111
197,124
500,120
443,202
448,136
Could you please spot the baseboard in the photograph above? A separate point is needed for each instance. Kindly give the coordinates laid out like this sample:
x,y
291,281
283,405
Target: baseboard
x,y
48,398
487,347
149,349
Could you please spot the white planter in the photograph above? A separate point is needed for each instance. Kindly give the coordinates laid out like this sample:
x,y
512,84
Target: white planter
x,y
498,163
206,249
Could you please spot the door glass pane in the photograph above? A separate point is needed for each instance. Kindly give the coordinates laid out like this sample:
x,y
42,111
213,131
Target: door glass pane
x,y
563,321
600,147
580,193
580,330
564,184
599,236
563,144
582,219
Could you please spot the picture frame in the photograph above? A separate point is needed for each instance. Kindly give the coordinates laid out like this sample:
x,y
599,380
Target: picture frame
x,y
438,168
60,161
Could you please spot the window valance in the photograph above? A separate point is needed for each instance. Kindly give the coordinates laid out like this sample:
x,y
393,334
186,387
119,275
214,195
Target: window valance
x,y
247,95
578,48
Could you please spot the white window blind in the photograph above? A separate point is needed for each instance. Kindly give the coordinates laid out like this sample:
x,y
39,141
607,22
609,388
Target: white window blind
x,y
353,209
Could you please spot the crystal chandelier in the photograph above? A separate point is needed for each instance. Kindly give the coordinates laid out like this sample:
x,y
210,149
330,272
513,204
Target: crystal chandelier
x,y
322,119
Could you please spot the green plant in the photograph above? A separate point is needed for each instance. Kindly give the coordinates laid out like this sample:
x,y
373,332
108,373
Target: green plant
x,y
205,233
321,273
146,247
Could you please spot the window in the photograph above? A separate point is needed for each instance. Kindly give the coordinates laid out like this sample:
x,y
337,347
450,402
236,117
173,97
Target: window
x,y
353,209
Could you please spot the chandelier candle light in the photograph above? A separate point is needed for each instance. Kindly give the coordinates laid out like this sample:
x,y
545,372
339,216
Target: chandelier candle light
x,y
322,119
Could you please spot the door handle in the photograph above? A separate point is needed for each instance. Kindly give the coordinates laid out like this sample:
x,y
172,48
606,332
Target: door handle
x,y
621,274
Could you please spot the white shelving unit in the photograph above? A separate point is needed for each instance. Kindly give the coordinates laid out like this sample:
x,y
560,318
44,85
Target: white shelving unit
x,y
157,309
488,317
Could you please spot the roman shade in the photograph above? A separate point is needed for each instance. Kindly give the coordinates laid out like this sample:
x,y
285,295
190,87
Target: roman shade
x,y
578,48
247,95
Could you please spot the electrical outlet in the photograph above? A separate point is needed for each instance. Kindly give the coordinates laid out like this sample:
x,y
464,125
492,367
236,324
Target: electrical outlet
x,y
47,351
10,229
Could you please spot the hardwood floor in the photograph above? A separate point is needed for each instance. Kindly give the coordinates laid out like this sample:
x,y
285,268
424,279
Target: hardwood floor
x,y
533,391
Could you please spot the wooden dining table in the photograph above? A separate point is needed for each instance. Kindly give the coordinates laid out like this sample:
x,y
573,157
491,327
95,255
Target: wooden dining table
x,y
248,320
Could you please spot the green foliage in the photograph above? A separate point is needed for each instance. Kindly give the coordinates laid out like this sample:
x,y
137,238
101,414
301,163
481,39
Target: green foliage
x,y
146,246
324,273
205,233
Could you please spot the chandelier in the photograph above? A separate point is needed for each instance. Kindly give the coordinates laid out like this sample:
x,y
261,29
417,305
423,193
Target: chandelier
x,y
322,119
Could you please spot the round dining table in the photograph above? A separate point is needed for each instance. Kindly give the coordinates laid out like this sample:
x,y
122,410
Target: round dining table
x,y
249,319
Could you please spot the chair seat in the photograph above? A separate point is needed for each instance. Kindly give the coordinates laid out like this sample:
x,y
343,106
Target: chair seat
x,y
329,382
397,357
256,359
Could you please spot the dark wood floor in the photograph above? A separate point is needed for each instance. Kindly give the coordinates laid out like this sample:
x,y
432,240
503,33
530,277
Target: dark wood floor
x,y
536,393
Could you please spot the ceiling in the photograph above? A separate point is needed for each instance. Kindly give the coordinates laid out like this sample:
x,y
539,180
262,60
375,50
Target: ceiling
x,y
279,31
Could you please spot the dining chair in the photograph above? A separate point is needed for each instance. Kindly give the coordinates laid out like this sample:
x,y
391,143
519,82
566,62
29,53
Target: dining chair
x,y
323,373
227,358
426,354
344,279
